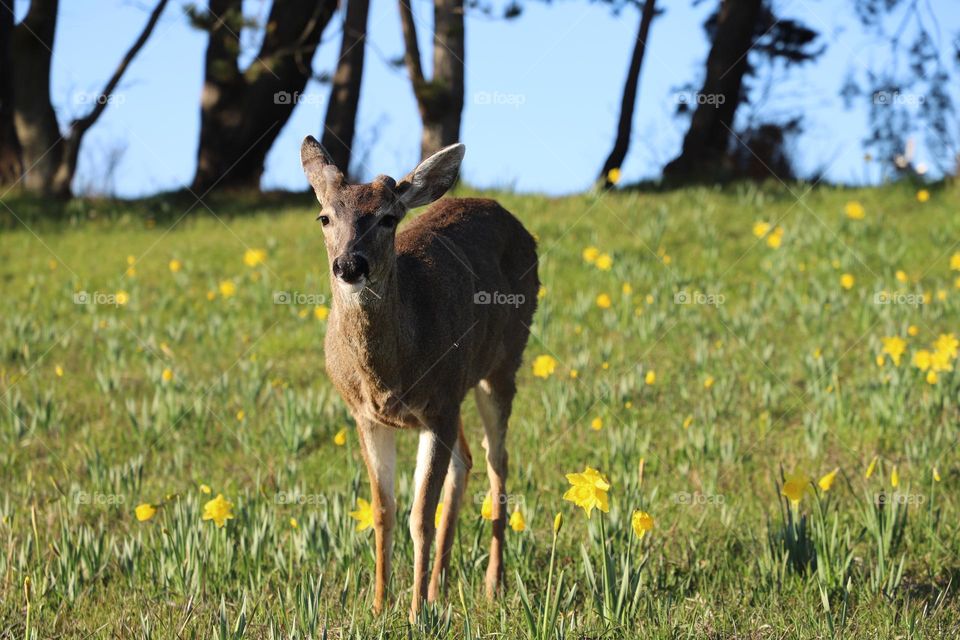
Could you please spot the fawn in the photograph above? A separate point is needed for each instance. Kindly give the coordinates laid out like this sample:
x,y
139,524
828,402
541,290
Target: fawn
x,y
418,319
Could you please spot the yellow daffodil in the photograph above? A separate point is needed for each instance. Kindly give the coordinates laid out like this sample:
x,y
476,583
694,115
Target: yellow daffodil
x,y
596,424
955,261
167,375
588,490
175,266
932,377
604,262
775,239
650,378
642,522
544,366
486,509
871,467
241,415
901,276
541,292
590,254
894,346
574,373
254,257
847,281
922,359
294,524
58,370
687,422
913,330
363,515
794,486
761,229
227,288
936,475
340,438
320,312
604,301
145,511
626,288
895,477
438,516
517,523
219,510
923,195
205,489
947,343
855,210
708,382
613,176
827,481
557,522
121,297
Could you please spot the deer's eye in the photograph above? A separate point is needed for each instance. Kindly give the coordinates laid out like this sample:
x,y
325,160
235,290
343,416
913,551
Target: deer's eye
x,y
324,220
388,222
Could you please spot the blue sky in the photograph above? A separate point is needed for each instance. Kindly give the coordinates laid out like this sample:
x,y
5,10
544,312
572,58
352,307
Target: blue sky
x,y
554,75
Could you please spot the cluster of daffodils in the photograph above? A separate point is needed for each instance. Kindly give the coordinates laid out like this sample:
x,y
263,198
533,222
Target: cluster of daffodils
x,y
588,490
932,361
766,231
218,510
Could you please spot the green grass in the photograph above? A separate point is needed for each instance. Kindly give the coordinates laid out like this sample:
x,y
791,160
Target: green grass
x,y
796,387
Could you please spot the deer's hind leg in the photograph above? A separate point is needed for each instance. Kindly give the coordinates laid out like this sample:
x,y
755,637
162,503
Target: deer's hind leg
x,y
453,490
494,402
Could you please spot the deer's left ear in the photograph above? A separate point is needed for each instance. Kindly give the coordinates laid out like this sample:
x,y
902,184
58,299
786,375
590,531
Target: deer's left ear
x,y
432,177
320,170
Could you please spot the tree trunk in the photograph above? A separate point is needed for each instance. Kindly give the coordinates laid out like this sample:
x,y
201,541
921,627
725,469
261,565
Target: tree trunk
x,y
34,117
439,100
241,113
11,158
625,125
706,143
340,123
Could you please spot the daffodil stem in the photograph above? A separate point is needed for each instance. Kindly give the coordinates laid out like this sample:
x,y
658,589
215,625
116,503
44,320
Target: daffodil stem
x,y
607,600
546,606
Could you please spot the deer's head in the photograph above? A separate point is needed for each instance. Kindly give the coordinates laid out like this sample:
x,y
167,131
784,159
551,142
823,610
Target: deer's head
x,y
360,220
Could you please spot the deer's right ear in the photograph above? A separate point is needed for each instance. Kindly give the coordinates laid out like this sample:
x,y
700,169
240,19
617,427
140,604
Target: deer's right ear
x,y
432,177
320,170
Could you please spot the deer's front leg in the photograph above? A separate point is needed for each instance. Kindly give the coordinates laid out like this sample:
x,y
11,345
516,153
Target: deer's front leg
x,y
380,454
433,458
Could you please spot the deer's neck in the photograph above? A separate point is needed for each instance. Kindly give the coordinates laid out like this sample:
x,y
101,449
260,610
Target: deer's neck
x,y
373,328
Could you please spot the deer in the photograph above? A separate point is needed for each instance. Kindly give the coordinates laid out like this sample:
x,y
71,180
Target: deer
x,y
420,317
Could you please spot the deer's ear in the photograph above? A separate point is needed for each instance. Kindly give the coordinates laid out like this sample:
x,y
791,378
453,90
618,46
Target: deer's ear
x,y
432,177
320,170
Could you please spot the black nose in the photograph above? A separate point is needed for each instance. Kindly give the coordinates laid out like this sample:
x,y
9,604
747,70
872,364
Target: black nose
x,y
350,267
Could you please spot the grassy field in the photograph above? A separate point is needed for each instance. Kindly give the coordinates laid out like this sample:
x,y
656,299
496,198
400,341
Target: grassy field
x,y
704,363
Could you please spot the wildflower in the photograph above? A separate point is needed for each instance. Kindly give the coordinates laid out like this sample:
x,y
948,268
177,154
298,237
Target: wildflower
x,y
227,288
241,415
708,382
517,523
794,486
340,438
912,331
254,257
294,524
544,366
651,377
590,254
603,301
894,346
936,475
626,289
827,481
211,295
541,292
205,489
932,377
320,312
596,424
901,275
775,239
761,229
574,373
955,261
58,370
923,195
219,510
588,490
604,262
175,266
642,523
921,359
854,210
363,515
613,176
145,511
871,467
486,509
121,298
438,516
895,477
687,422
167,375
847,281
557,522
947,343
940,361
